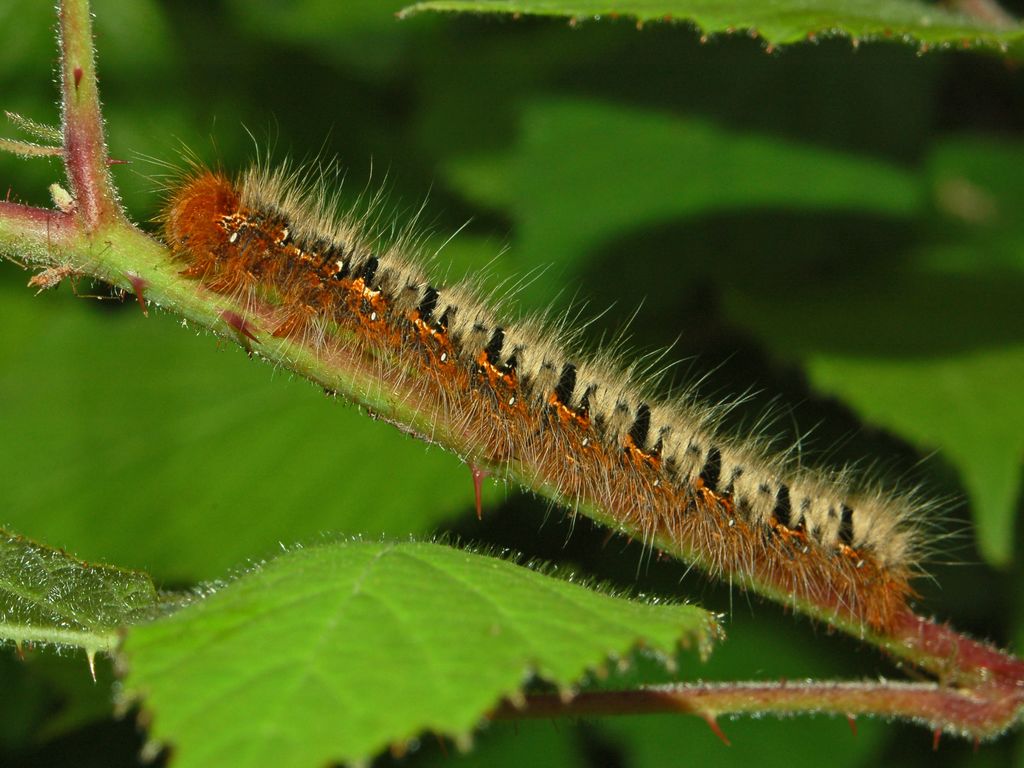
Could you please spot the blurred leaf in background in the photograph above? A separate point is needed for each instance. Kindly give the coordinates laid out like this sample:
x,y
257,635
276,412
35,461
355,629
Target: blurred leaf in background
x,y
838,230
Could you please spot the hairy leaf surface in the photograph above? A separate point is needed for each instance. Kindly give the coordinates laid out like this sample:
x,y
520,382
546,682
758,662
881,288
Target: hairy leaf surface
x,y
47,596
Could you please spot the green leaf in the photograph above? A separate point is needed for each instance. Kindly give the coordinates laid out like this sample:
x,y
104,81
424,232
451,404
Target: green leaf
x,y
586,172
961,405
950,396
363,35
50,695
653,741
47,596
332,653
190,459
779,23
932,350
136,36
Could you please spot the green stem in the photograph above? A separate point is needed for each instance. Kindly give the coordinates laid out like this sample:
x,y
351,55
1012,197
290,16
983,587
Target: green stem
x,y
98,241
124,256
91,642
938,707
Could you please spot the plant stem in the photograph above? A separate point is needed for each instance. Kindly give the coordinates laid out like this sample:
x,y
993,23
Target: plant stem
x,y
85,150
938,707
96,240
91,642
33,226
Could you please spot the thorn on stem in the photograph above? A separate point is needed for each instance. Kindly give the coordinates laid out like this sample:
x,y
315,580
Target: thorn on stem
x,y
478,478
717,729
78,77
139,285
19,650
90,656
242,328
853,724
936,737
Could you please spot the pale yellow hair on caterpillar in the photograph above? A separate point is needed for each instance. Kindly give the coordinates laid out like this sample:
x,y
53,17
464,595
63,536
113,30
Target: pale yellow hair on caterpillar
x,y
585,429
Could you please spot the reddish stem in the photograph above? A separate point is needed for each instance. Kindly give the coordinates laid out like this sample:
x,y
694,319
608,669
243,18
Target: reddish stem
x,y
39,224
953,657
941,708
990,683
85,150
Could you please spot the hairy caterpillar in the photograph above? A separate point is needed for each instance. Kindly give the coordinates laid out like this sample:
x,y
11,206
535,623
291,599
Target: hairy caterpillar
x,y
517,393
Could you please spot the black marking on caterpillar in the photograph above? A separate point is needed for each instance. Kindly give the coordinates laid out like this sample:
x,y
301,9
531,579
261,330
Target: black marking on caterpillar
x,y
585,424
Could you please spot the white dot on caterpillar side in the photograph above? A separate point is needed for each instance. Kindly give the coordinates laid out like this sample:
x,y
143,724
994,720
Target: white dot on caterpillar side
x,y
373,316
444,357
657,483
233,238
586,441
512,400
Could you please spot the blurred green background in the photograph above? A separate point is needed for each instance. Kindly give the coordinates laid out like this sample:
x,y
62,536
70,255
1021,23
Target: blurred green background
x,y
836,233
